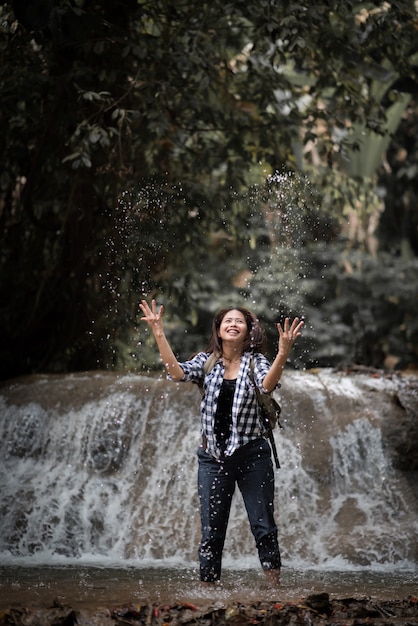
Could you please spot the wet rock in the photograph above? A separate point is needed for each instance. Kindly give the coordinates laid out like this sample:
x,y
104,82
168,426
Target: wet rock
x,y
400,431
401,434
316,610
320,603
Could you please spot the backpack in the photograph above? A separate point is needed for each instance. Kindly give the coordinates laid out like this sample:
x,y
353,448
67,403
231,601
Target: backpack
x,y
269,407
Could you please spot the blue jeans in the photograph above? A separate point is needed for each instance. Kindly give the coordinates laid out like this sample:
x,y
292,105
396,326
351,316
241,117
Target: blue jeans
x,y
250,467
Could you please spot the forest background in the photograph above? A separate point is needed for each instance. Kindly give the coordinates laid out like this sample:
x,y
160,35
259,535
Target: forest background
x,y
250,152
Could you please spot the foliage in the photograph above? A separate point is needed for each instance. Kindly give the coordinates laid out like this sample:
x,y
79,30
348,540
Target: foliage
x,y
358,308
98,97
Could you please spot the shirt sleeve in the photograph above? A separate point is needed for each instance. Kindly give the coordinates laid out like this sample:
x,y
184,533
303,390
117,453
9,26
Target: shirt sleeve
x,y
193,369
261,368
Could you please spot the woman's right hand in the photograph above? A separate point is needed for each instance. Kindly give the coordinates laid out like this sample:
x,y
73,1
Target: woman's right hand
x,y
151,316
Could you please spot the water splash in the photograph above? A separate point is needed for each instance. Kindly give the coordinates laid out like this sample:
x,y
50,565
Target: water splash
x,y
249,247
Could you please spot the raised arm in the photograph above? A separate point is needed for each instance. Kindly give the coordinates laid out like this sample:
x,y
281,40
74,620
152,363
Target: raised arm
x,y
154,320
287,337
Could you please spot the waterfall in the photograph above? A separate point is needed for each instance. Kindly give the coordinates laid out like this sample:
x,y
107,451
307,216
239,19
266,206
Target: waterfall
x,y
102,467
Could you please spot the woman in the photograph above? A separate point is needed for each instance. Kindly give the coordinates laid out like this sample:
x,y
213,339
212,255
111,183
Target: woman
x,y
233,449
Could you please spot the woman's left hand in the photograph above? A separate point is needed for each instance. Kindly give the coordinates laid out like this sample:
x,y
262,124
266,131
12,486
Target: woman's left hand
x,y
289,333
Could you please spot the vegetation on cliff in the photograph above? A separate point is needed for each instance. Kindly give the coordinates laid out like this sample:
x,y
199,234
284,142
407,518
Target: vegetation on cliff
x,y
144,149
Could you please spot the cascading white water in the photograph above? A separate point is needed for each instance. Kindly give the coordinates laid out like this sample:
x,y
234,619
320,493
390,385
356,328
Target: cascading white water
x,y
103,468
108,478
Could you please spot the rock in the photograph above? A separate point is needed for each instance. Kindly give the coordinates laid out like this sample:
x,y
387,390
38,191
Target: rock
x,y
320,603
316,610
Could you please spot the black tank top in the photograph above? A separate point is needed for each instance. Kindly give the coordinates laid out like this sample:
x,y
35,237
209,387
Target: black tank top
x,y
223,417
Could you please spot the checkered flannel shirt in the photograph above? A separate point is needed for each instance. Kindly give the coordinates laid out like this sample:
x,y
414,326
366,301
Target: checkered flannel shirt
x,y
246,424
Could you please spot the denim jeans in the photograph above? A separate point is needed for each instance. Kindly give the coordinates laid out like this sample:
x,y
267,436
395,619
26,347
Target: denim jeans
x,y
250,467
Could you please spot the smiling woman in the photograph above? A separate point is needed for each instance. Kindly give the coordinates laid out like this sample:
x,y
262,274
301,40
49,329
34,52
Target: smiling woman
x,y
233,330
234,450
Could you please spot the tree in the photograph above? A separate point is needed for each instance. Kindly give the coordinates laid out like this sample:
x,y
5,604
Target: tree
x,y
126,126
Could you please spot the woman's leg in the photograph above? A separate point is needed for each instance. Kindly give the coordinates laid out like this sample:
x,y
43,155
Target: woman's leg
x,y
215,488
256,482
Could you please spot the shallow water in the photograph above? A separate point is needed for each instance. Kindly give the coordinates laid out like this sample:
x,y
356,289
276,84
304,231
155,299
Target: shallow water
x,y
91,587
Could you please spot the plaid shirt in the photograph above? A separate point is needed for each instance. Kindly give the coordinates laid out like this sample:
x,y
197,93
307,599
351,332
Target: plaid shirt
x,y
246,424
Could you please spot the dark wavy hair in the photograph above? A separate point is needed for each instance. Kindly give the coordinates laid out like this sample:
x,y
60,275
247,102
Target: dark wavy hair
x,y
256,338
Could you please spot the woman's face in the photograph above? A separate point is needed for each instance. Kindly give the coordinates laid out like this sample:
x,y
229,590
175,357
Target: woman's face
x,y
233,327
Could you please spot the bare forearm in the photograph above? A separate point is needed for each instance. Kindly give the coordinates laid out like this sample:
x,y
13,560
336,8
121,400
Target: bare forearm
x,y
274,374
168,358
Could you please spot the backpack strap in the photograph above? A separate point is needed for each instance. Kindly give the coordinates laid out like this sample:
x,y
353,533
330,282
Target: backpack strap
x,y
210,363
208,367
264,414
